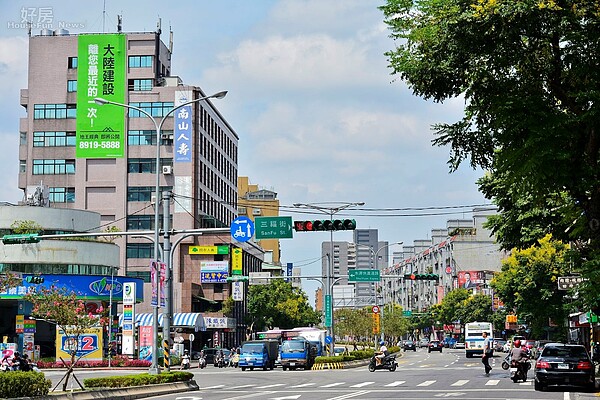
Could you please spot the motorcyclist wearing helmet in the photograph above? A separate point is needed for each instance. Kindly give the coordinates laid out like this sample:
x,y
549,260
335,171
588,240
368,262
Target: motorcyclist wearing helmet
x,y
518,354
383,351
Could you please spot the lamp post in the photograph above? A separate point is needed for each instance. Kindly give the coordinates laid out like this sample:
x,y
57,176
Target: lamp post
x,y
166,246
331,211
110,314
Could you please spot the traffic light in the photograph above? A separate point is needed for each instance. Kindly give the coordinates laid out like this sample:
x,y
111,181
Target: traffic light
x,y
20,239
422,277
325,225
34,279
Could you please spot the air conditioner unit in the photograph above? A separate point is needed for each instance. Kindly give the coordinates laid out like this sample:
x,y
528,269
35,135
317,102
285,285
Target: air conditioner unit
x,y
256,211
167,169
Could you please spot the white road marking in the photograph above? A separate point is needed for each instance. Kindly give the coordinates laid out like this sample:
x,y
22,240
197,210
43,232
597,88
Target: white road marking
x,y
396,383
349,395
426,383
460,382
358,385
492,382
303,385
270,386
333,384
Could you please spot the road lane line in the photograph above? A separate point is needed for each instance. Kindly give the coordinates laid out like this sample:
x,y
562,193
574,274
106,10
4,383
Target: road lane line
x,y
333,384
359,385
396,383
270,386
349,395
426,383
303,385
460,382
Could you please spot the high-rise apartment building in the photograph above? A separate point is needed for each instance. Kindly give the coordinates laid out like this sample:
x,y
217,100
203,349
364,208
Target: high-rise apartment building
x,y
88,166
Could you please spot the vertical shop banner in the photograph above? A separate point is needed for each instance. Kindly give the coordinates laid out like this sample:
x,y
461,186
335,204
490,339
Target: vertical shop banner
x,y
182,151
161,282
145,345
236,261
128,329
101,72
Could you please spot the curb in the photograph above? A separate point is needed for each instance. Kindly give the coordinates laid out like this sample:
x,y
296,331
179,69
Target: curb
x,y
130,393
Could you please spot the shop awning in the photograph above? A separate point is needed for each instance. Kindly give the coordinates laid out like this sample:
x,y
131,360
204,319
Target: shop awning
x,y
180,320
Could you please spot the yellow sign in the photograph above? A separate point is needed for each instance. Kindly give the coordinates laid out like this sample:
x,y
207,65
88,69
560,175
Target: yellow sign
x,y
208,250
376,323
20,324
236,261
88,344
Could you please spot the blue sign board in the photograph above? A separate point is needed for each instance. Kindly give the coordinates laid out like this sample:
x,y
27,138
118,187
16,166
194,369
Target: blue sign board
x,y
91,287
242,229
328,339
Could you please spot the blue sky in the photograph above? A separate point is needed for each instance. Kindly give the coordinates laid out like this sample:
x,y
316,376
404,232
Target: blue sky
x,y
319,116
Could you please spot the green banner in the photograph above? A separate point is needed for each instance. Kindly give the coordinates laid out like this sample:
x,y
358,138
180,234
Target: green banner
x,y
101,72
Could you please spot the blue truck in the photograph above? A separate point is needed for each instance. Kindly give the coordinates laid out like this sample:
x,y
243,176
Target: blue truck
x,y
297,353
258,354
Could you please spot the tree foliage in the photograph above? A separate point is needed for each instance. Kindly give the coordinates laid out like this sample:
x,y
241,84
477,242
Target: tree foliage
x,y
529,74
65,309
279,304
528,283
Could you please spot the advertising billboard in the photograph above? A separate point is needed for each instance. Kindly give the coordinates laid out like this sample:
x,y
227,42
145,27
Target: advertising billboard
x,y
470,279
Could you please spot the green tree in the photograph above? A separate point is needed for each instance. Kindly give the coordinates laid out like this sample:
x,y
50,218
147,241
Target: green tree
x,y
528,72
279,304
528,283
353,322
67,311
448,310
395,325
476,307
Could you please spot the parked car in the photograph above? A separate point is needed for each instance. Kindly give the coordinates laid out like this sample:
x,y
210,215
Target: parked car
x,y
209,355
435,345
564,364
409,345
423,342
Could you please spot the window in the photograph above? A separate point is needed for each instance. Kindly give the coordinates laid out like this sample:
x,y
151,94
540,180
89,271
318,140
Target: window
x,y
145,276
140,222
141,166
140,193
71,86
138,85
22,138
22,166
61,195
140,250
54,111
53,139
155,109
53,167
140,61
141,138
72,62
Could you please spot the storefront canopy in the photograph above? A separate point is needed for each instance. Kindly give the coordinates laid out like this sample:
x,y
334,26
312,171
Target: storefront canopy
x,y
180,320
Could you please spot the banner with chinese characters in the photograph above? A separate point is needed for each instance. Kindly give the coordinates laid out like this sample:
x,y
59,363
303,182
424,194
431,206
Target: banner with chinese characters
x,y
214,271
182,135
101,73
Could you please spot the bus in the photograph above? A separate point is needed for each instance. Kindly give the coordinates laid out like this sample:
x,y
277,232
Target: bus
x,y
474,337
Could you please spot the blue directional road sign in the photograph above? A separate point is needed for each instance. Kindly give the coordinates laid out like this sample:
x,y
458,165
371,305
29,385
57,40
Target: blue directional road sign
x,y
242,229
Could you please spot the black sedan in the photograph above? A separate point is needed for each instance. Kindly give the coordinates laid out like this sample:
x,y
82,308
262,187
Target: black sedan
x,y
435,345
564,364
409,345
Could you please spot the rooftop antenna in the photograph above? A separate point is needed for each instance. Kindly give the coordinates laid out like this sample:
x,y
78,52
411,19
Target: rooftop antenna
x,y
119,23
29,28
158,26
170,40
103,16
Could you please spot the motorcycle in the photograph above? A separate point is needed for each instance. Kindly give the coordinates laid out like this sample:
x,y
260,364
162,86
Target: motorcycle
x,y
506,363
518,370
219,361
234,360
388,362
185,362
201,362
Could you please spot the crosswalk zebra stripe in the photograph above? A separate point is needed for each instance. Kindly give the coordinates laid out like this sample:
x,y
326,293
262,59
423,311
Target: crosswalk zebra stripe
x,y
358,385
333,384
492,382
426,383
460,382
397,383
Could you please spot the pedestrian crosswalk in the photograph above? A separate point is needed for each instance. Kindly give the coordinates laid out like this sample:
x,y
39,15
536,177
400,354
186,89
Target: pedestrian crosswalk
x,y
429,383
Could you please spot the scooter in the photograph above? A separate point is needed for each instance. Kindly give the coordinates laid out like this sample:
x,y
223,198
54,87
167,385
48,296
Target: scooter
x,y
201,362
506,362
388,362
185,362
518,370
219,361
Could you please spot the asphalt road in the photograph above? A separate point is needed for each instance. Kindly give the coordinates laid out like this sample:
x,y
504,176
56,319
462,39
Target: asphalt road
x,y
420,375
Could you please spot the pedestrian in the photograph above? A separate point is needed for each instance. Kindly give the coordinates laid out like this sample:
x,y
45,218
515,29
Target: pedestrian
x,y
354,346
487,353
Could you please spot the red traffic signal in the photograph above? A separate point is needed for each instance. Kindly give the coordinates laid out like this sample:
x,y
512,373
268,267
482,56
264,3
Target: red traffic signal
x,y
325,225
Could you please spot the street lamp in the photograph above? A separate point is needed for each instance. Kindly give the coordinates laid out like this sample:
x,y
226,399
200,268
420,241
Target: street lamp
x,y
166,245
331,211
